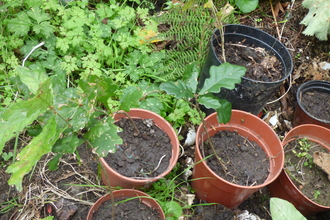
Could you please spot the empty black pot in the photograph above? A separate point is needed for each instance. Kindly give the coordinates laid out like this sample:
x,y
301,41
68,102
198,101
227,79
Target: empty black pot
x,y
250,95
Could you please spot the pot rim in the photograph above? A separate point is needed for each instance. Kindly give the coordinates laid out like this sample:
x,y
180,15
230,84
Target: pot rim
x,y
289,71
291,137
148,180
325,85
264,148
117,193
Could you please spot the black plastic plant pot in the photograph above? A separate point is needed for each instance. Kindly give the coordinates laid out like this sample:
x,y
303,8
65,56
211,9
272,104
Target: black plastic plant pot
x,y
301,115
250,95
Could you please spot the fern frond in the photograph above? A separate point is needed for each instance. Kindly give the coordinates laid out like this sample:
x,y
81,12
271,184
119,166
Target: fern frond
x,y
191,30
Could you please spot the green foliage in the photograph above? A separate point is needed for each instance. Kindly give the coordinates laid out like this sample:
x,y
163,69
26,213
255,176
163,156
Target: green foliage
x,y
318,18
189,32
95,61
226,75
303,152
245,6
283,210
164,192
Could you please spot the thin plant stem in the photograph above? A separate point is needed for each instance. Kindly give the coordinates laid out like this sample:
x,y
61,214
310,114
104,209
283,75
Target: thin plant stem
x,y
222,163
15,147
136,129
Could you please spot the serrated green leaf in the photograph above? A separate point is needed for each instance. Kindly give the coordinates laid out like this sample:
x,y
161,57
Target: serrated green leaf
x,y
190,77
67,144
72,104
130,98
38,15
283,210
318,18
32,153
53,163
209,101
152,104
101,88
179,89
224,76
20,25
247,6
224,112
103,137
32,79
45,28
21,114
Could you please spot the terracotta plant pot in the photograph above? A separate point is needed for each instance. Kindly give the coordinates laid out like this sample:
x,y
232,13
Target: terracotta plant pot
x,y
211,187
127,193
283,187
301,116
110,177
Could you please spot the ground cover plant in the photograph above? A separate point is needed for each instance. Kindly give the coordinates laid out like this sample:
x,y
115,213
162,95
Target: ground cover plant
x,y
96,57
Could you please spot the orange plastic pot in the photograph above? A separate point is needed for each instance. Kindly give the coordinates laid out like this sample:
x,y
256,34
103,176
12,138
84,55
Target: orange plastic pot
x,y
301,115
110,177
283,187
150,202
211,187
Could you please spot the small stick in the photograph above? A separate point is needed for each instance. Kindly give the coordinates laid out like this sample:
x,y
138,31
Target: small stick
x,y
276,24
33,49
158,164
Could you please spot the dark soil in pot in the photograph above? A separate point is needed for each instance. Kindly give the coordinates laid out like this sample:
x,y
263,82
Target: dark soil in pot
x,y
260,64
128,210
143,154
246,162
311,180
317,103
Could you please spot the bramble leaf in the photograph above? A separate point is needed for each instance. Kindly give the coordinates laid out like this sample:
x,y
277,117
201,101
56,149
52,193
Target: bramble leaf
x,y
152,104
32,79
103,137
32,153
179,89
130,98
21,114
226,75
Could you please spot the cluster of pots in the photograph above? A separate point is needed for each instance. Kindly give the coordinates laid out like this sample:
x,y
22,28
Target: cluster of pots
x,y
207,184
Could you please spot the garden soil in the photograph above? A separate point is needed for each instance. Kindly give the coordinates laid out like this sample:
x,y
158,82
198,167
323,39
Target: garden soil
x,y
260,64
128,210
317,103
243,161
145,153
311,180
